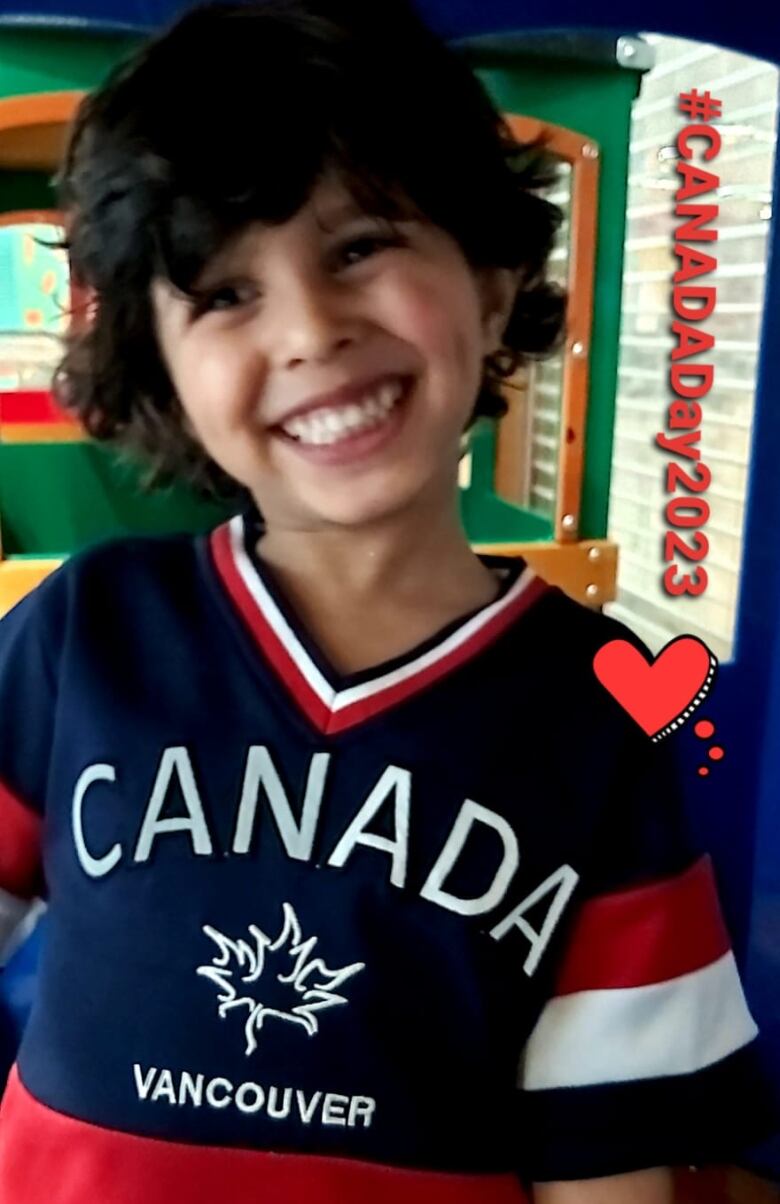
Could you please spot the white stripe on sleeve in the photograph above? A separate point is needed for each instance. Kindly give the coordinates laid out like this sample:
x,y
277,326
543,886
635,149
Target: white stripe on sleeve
x,y
629,1033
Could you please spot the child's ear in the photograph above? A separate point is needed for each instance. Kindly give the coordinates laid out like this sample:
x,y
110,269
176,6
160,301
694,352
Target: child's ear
x,y
498,287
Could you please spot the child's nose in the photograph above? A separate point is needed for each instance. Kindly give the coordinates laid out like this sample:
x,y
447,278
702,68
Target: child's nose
x,y
311,323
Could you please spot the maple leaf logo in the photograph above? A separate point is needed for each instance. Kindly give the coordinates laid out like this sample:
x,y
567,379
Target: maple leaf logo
x,y
243,962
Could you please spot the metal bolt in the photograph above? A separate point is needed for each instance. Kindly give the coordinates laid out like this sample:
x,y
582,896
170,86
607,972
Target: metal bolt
x,y
594,553
590,151
634,53
592,591
578,349
569,521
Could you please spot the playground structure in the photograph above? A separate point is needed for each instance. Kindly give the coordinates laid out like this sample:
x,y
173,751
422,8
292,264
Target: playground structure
x,y
60,491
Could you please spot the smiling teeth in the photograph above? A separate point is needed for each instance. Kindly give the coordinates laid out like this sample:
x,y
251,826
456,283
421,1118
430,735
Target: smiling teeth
x,y
331,424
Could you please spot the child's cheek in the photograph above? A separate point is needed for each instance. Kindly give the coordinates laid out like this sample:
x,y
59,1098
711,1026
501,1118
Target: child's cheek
x,y
425,317
226,378
445,337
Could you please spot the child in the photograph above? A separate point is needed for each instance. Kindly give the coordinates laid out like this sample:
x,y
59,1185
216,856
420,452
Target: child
x,y
360,886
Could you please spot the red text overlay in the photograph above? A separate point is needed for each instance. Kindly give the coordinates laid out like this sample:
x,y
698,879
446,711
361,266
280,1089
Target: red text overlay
x,y
687,476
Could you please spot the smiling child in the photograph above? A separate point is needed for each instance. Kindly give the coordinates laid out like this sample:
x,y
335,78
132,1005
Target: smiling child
x,y
360,886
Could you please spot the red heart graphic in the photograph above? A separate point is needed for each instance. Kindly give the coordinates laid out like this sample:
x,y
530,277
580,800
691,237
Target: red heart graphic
x,y
661,695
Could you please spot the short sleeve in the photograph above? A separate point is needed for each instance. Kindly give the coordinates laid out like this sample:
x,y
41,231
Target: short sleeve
x,y
27,711
646,1054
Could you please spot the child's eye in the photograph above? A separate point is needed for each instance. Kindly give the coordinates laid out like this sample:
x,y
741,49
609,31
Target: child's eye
x,y
208,300
381,241
227,296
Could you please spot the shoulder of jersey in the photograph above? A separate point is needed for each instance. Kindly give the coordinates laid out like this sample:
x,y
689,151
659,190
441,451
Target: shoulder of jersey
x,y
573,633
111,566
580,629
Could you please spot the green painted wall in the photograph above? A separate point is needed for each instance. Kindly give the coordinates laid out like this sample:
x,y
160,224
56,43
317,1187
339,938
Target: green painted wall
x,y
47,60
594,100
56,498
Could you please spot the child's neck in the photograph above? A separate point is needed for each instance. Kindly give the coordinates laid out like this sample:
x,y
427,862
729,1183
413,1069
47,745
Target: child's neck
x,y
369,594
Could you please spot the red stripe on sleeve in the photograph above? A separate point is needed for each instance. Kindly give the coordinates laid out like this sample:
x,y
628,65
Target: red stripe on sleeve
x,y
20,847
646,935
46,1156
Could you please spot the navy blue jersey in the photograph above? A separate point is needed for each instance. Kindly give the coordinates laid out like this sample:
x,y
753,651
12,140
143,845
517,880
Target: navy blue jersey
x,y
432,931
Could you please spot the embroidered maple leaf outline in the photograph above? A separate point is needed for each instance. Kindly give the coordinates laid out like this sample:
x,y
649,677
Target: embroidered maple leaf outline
x,y
309,976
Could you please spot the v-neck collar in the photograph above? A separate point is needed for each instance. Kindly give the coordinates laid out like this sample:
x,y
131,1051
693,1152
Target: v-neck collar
x,y
332,702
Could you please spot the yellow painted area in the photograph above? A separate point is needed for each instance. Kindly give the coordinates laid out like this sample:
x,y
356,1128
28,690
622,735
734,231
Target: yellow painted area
x,y
41,432
34,129
586,571
18,577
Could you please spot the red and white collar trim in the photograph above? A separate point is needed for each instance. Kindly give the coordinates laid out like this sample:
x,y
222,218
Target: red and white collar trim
x,y
328,709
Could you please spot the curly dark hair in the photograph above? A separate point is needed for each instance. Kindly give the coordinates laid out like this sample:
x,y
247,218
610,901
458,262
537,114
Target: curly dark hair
x,y
161,169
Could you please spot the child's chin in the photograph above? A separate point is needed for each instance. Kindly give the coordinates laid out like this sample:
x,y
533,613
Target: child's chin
x,y
358,509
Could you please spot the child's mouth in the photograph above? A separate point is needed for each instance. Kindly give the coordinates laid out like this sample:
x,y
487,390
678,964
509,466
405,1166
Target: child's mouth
x,y
334,434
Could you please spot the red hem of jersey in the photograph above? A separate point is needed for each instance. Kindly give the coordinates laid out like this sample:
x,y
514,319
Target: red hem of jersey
x,y
47,1157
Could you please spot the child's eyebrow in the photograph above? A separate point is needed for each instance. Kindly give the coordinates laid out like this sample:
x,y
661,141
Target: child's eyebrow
x,y
226,259
340,212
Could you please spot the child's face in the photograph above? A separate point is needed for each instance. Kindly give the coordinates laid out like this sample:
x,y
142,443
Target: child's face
x,y
314,305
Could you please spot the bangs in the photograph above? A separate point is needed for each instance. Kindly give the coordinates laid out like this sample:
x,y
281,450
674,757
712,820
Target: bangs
x,y
198,228
165,166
